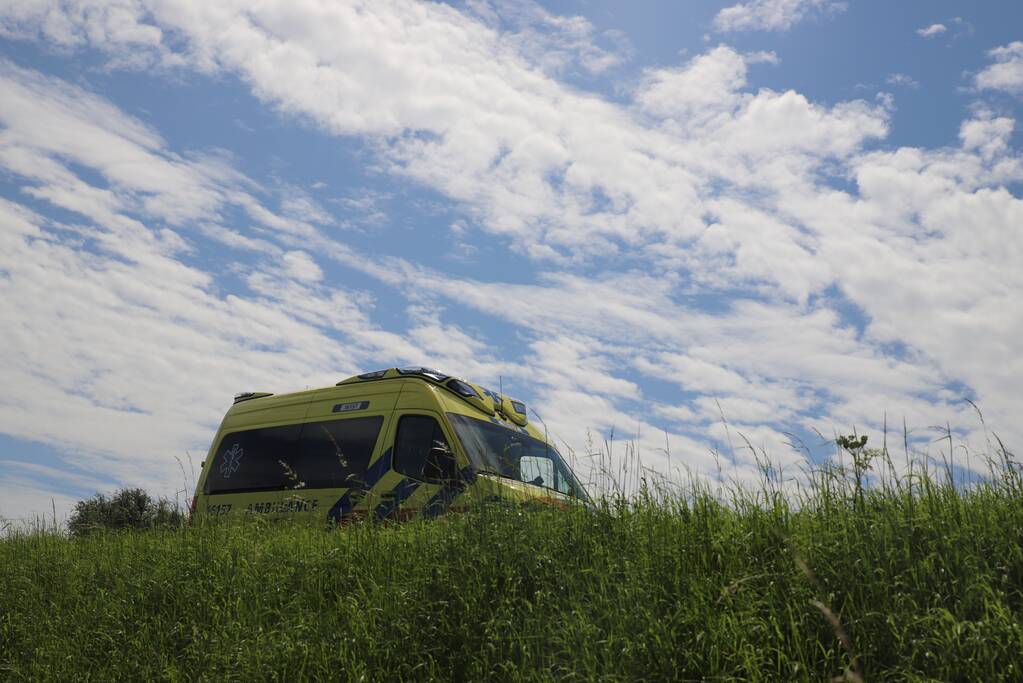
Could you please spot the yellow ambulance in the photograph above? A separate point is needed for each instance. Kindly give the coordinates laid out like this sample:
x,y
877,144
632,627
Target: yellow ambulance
x,y
390,444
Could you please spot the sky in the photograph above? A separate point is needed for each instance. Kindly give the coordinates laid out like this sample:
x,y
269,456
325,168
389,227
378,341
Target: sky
x,y
716,231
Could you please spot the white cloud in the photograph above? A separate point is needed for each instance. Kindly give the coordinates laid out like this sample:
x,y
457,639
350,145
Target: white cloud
x,y
579,363
437,98
62,475
113,24
931,31
1007,71
903,80
771,15
707,86
987,134
302,207
301,266
556,44
27,505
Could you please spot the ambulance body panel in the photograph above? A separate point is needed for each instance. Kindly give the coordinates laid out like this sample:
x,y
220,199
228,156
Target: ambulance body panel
x,y
391,444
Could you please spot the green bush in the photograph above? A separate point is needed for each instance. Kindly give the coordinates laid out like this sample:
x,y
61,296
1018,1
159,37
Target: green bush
x,y
125,509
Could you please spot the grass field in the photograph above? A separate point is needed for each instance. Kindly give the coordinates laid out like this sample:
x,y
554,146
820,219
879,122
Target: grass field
x,y
893,582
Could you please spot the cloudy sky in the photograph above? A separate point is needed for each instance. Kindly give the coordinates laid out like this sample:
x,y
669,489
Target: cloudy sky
x,y
787,216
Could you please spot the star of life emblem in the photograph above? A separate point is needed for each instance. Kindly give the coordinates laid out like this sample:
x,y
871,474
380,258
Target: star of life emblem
x,y
230,463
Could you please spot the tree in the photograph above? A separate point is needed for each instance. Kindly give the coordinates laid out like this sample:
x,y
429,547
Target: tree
x,y
125,509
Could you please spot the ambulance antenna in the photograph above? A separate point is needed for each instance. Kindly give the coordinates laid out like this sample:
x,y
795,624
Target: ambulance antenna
x,y
546,446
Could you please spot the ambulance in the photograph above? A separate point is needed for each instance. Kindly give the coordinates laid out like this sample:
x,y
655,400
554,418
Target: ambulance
x,y
386,445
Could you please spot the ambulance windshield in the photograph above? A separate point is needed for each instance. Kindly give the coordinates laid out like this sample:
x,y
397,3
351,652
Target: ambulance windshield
x,y
506,452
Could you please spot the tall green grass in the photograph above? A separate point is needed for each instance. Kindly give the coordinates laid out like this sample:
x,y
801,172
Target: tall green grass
x,y
914,579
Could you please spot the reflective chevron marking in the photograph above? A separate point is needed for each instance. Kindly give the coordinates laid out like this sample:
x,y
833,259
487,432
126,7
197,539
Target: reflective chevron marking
x,y
448,492
343,507
395,497
402,491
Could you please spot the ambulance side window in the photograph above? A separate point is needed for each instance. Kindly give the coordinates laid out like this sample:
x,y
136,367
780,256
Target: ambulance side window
x,y
537,470
335,453
330,454
249,460
417,435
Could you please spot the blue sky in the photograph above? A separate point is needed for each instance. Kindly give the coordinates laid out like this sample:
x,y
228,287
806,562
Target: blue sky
x,y
801,215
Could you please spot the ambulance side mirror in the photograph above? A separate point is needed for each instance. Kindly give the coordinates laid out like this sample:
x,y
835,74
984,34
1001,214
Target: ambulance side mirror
x,y
440,464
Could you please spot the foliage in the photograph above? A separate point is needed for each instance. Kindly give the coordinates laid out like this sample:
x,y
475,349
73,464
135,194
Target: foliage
x,y
918,580
125,509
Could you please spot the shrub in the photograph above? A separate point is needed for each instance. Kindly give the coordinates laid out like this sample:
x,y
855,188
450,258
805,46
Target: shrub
x,y
125,509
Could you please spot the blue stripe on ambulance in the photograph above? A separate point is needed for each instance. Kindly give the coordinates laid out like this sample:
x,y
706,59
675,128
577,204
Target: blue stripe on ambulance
x,y
343,507
395,497
440,500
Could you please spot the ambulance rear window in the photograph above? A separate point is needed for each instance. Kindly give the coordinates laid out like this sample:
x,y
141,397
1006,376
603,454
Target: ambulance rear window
x,y
332,454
